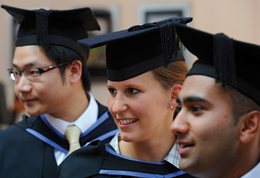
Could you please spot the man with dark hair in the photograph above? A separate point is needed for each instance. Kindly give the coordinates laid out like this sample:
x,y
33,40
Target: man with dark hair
x,y
218,126
51,79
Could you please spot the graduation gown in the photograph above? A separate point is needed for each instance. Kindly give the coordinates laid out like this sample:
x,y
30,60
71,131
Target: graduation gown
x,y
100,160
27,148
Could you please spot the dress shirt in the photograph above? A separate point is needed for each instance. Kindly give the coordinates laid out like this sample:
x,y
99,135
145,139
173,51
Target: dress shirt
x,y
253,173
85,121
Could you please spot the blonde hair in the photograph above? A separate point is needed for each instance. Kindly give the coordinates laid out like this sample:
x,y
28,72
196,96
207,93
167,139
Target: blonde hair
x,y
173,73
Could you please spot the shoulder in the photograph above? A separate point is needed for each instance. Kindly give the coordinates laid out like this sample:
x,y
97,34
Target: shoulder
x,y
101,108
84,162
17,132
104,114
92,151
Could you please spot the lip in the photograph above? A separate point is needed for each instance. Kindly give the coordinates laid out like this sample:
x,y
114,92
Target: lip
x,y
126,122
28,101
185,148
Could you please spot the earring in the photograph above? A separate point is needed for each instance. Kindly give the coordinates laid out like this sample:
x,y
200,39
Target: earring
x,y
171,107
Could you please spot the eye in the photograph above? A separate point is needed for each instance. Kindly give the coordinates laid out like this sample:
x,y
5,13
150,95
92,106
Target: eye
x,y
112,91
196,108
33,72
15,72
132,91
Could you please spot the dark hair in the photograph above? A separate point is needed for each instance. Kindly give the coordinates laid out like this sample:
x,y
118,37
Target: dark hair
x,y
60,54
241,104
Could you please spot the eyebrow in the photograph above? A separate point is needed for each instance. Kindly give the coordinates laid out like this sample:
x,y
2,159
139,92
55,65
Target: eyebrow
x,y
191,99
26,66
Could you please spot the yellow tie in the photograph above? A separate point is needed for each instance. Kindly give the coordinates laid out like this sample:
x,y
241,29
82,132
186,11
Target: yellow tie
x,y
72,134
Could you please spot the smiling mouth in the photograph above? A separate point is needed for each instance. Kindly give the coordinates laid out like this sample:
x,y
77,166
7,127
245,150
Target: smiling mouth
x,y
127,121
184,145
185,148
28,101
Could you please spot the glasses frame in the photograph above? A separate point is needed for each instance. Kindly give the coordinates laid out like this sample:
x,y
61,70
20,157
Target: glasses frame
x,y
30,76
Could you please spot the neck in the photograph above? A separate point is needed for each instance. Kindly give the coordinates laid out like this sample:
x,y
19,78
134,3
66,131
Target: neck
x,y
151,150
75,105
235,168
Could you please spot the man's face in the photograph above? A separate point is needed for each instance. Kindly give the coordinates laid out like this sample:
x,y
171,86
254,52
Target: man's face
x,y
45,93
206,135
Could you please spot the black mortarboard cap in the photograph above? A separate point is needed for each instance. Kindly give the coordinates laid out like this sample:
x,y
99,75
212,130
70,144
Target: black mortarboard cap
x,y
140,48
53,27
230,62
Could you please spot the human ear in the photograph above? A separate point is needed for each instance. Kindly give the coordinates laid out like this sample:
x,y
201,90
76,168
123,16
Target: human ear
x,y
75,71
250,126
174,93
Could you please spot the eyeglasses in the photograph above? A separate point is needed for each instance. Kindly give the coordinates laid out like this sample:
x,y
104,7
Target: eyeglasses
x,y
31,74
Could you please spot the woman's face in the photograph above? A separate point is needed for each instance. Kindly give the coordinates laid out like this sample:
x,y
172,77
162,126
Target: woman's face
x,y
140,107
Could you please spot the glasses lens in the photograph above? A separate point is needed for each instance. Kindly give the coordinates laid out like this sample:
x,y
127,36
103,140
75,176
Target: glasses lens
x,y
32,73
13,74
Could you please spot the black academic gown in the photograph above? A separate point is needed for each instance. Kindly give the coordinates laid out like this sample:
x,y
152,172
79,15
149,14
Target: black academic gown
x,y
99,160
27,148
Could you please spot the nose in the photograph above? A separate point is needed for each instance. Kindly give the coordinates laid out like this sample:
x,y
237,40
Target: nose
x,y
22,84
180,124
117,104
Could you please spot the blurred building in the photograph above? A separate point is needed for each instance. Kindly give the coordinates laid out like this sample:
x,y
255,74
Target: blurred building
x,y
239,19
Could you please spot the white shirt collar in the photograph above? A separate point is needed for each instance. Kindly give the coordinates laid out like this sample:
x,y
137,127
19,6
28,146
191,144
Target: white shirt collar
x,y
253,173
115,143
172,157
86,120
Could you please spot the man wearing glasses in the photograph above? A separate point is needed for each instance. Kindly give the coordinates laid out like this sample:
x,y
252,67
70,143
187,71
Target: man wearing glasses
x,y
51,79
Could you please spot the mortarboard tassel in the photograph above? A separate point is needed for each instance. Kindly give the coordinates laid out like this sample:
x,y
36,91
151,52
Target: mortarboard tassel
x,y
168,40
42,27
224,61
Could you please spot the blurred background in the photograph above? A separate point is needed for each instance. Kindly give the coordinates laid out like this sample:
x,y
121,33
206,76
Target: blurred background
x,y
239,19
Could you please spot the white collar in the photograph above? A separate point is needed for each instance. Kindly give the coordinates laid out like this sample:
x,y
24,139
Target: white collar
x,y
253,173
115,143
86,120
172,157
